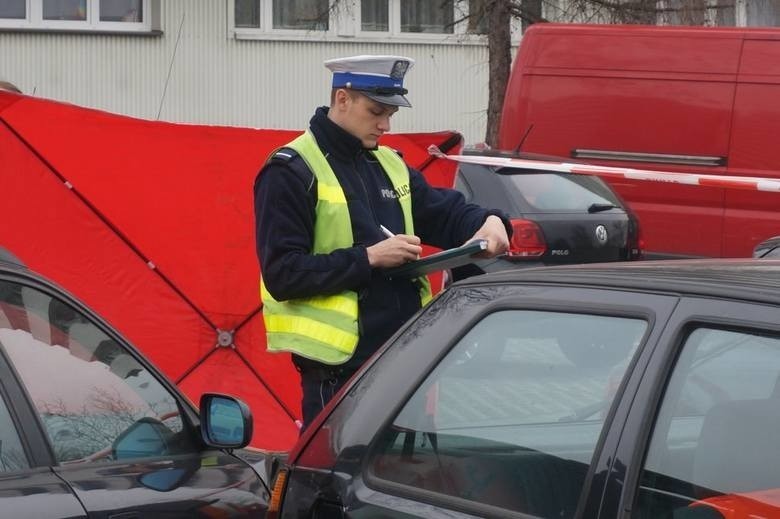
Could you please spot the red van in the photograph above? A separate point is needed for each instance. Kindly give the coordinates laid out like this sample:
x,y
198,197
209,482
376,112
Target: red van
x,y
679,99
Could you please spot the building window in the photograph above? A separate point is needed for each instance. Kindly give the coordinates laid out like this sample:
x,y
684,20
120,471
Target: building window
x,y
87,15
762,13
430,16
477,16
121,11
374,15
75,10
306,15
366,20
282,16
13,9
247,14
428,19
721,13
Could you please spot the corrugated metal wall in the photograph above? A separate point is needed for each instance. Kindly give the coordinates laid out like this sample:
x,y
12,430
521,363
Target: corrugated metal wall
x,y
215,79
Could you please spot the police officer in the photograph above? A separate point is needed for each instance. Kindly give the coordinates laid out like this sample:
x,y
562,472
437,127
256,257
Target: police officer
x,y
320,204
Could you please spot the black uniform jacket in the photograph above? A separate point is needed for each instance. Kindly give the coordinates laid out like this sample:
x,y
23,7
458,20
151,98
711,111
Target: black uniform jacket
x,y
285,199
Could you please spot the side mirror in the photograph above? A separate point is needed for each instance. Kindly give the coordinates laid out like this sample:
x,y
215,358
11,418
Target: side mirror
x,y
225,421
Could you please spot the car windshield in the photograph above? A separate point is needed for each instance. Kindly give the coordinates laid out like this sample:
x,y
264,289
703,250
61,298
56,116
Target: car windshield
x,y
546,191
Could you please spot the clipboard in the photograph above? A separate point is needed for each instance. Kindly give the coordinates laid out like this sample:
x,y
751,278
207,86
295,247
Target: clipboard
x,y
445,259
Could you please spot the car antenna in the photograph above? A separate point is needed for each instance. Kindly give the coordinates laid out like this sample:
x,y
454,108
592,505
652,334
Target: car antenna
x,y
528,131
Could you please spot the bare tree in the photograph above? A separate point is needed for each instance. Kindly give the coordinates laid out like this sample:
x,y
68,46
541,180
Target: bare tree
x,y
499,62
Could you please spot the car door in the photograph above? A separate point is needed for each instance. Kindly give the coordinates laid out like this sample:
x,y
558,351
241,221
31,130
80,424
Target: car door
x,y
701,437
27,489
493,403
118,433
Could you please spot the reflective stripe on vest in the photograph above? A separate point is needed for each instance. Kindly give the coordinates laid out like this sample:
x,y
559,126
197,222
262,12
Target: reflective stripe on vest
x,y
325,328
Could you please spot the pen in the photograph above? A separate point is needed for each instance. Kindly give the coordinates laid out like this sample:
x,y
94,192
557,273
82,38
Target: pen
x,y
386,231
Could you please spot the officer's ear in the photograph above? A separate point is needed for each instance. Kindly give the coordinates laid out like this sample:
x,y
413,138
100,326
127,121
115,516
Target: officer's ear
x,y
339,97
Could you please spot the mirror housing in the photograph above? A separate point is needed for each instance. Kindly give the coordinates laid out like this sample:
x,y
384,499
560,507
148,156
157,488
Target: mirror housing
x,y
225,421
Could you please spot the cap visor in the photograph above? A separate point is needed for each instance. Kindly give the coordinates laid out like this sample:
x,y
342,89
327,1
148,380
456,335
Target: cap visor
x,y
393,100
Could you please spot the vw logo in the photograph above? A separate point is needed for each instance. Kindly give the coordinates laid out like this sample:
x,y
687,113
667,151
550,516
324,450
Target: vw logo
x,y
601,234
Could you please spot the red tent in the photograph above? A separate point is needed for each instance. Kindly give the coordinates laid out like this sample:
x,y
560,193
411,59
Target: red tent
x,y
151,224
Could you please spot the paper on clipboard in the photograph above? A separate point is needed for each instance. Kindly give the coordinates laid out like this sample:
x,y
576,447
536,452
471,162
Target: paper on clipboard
x,y
445,259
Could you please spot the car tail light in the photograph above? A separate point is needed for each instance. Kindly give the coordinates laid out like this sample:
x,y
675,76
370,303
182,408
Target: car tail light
x,y
636,246
277,494
527,240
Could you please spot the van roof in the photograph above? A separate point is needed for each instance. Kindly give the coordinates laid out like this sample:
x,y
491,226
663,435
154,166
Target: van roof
x,y
657,30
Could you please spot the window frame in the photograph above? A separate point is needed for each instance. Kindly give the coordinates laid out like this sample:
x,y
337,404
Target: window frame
x,y
705,311
34,20
710,14
601,447
40,448
345,24
664,418
25,424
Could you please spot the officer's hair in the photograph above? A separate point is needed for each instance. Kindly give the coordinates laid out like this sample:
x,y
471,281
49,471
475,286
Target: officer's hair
x,y
350,93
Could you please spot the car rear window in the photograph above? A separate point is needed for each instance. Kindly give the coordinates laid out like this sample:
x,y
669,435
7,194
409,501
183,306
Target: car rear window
x,y
559,191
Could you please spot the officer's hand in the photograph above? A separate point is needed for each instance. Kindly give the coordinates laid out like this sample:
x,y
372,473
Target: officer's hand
x,y
494,232
394,251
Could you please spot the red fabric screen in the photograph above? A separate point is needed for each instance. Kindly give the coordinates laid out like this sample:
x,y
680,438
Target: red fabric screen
x,y
157,236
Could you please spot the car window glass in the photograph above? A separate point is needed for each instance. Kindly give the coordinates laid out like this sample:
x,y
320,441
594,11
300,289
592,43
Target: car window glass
x,y
511,416
462,186
561,192
87,388
715,439
12,455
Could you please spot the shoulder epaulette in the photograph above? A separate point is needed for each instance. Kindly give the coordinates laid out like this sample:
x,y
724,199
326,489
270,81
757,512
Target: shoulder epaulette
x,y
283,155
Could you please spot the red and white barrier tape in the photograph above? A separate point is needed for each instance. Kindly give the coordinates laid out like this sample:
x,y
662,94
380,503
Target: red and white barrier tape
x,y
691,179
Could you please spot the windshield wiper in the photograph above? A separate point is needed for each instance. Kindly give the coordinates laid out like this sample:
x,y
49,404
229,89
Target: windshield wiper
x,y
597,208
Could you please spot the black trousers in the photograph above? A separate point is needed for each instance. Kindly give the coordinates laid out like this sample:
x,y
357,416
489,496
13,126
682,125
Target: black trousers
x,y
320,383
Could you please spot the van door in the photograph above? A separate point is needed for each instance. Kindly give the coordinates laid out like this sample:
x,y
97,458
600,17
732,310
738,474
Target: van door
x,y
753,216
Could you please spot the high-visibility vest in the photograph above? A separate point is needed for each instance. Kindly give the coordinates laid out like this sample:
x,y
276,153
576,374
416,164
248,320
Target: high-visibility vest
x,y
325,328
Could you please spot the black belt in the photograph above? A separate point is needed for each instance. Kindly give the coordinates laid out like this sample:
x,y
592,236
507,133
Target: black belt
x,y
319,371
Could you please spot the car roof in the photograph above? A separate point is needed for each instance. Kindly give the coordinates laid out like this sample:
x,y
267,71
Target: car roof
x,y
9,261
744,279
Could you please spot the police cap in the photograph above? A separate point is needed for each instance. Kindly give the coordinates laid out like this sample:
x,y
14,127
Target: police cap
x,y
380,78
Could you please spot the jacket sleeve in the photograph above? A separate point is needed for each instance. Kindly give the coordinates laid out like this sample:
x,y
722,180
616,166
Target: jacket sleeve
x,y
442,217
285,201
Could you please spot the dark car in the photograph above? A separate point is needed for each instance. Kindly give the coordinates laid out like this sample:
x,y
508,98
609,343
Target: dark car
x,y
88,428
634,389
557,217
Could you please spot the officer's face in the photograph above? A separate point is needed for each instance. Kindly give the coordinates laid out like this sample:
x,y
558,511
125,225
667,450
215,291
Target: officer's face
x,y
363,117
